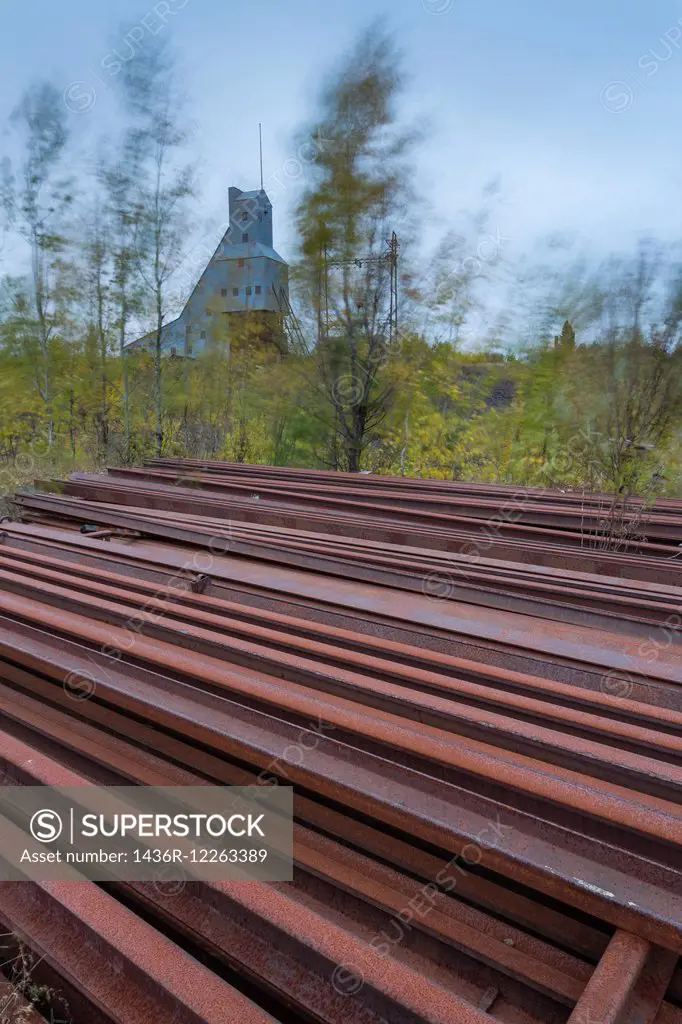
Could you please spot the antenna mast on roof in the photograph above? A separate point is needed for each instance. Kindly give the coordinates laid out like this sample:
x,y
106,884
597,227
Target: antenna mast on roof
x,y
260,136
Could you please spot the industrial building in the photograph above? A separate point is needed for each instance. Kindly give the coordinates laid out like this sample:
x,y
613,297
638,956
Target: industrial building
x,y
245,276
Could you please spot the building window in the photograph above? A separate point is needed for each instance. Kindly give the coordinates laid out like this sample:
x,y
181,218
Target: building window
x,y
245,238
258,289
248,291
235,291
202,335
223,292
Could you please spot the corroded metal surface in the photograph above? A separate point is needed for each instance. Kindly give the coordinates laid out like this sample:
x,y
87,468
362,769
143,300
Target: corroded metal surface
x,y
485,751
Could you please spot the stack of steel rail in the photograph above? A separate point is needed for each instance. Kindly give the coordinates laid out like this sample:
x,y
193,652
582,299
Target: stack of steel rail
x,y
486,751
578,533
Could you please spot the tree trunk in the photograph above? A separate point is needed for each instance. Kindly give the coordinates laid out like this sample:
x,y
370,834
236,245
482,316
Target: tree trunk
x,y
104,427
158,378
126,385
47,386
72,432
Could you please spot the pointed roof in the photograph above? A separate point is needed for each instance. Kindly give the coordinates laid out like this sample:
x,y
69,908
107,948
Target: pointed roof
x,y
255,193
245,251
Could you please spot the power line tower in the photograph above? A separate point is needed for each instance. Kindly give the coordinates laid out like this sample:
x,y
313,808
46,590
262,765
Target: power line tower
x,y
293,332
388,258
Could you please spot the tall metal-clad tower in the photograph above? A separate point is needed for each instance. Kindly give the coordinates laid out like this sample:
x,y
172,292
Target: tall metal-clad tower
x,y
244,277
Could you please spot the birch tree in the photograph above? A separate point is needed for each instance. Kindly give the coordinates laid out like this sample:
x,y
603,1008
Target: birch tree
x,y
165,185
36,200
119,176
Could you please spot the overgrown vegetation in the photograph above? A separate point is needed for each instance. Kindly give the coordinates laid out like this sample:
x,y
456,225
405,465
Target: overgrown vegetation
x,y
575,384
28,997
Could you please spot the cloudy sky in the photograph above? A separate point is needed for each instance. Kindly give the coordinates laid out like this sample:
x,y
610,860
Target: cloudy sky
x,y
572,104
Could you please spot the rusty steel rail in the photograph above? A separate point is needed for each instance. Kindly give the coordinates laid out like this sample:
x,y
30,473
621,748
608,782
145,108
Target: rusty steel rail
x,y
509,640
375,499
620,606
428,701
650,533
423,670
117,962
250,933
565,657
488,537
276,527
275,933
419,695
448,488
587,871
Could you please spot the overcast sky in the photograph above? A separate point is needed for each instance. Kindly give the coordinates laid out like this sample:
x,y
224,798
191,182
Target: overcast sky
x,y
573,104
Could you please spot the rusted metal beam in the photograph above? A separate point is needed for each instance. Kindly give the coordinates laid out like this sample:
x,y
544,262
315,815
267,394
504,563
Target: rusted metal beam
x,y
606,997
538,853
472,739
